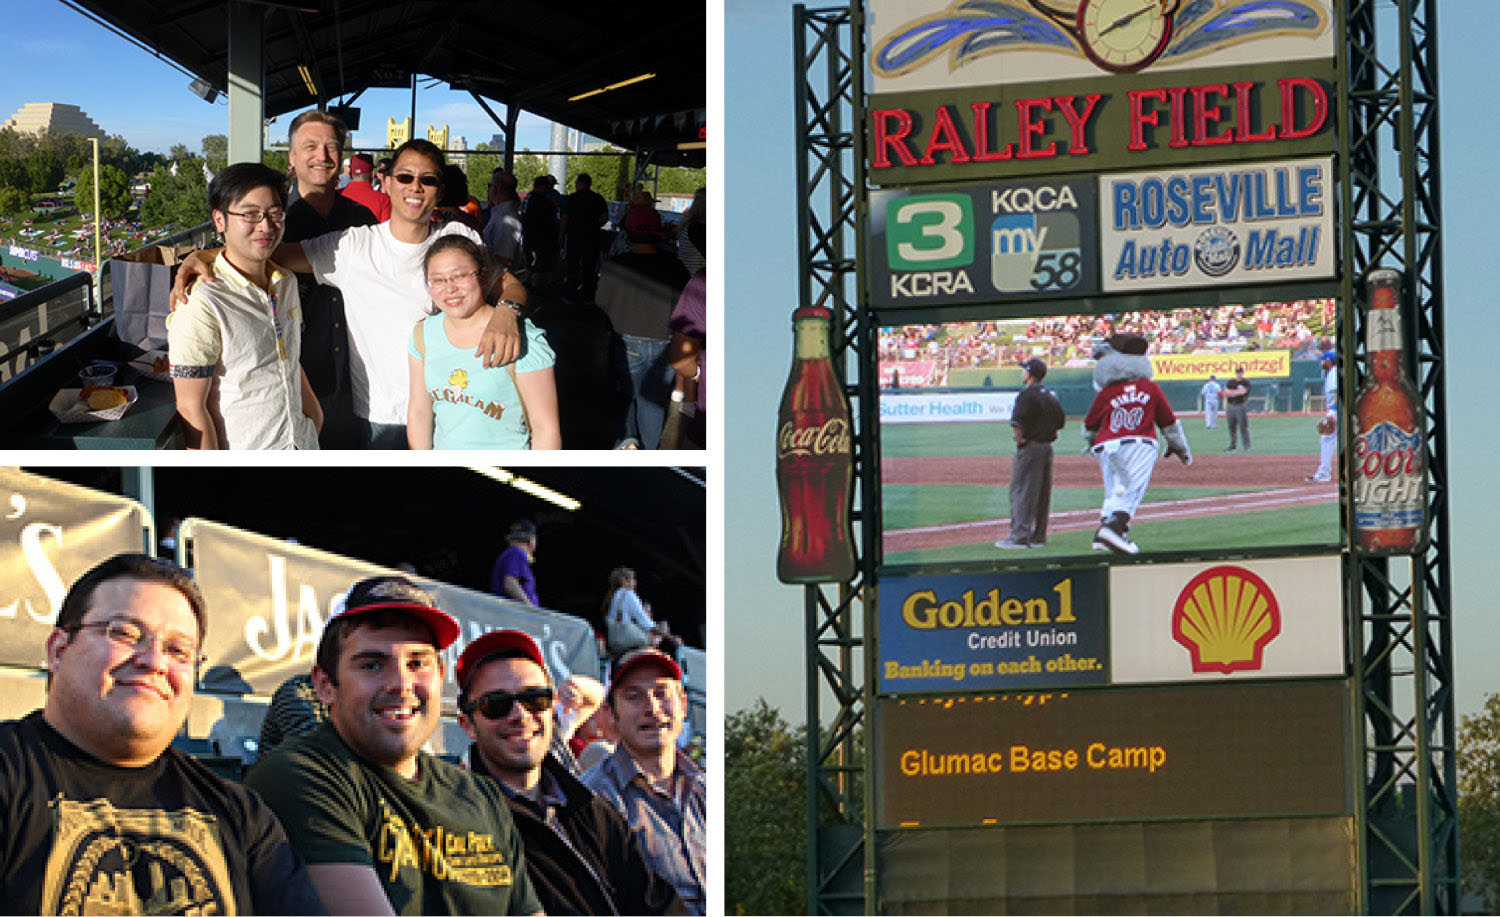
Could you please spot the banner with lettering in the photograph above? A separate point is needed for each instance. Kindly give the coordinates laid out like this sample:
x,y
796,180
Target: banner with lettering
x,y
51,534
1258,364
268,601
978,632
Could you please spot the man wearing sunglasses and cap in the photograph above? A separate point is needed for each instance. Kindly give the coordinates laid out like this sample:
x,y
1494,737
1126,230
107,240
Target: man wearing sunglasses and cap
x,y
658,789
580,852
385,827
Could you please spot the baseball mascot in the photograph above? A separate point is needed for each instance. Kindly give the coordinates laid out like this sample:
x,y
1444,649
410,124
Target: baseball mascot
x,y
1120,430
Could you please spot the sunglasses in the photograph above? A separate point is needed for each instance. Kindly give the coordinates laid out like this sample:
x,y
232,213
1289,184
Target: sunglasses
x,y
496,704
406,178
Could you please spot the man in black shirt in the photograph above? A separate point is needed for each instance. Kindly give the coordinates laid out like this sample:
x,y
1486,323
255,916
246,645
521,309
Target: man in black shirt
x,y
316,149
1237,409
580,853
98,814
1034,421
584,213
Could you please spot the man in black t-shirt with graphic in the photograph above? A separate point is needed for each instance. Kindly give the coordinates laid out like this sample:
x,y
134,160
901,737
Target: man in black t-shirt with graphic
x,y
386,827
98,814
1035,419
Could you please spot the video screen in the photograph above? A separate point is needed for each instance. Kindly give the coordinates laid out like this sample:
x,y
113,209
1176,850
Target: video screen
x,y
1245,390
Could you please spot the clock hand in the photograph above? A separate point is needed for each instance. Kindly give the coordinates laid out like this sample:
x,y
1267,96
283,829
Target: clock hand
x,y
1125,20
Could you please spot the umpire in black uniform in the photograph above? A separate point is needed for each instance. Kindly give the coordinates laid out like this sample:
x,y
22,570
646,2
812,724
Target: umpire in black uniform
x,y
1034,421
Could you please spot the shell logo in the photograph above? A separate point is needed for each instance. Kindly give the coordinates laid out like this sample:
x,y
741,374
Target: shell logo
x,y
1225,617
459,378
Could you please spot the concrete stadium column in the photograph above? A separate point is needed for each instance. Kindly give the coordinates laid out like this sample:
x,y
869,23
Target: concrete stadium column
x,y
247,80
557,163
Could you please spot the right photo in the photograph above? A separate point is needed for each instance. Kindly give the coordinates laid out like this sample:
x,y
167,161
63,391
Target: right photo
x,y
1105,501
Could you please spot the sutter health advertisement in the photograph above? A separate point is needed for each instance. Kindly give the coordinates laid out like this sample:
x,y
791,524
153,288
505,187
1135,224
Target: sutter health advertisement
x,y
984,631
1208,751
1230,224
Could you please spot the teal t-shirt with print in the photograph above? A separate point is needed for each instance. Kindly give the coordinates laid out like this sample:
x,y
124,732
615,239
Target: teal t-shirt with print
x,y
474,407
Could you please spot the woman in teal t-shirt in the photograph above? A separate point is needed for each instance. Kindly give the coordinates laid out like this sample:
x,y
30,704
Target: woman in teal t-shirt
x,y
455,402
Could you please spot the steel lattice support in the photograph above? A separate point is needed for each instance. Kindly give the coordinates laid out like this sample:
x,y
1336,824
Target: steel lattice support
x,y
1410,843
829,174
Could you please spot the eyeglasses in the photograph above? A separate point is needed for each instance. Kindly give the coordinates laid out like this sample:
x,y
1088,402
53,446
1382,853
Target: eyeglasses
x,y
253,217
496,704
180,649
452,280
406,178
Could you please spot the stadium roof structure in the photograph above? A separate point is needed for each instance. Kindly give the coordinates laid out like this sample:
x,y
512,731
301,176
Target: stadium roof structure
x,y
538,55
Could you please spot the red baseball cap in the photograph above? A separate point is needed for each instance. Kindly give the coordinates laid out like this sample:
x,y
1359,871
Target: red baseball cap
x,y
361,164
641,658
492,643
397,593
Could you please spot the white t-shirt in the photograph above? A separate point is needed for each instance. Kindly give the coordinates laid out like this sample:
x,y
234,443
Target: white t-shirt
x,y
503,232
385,294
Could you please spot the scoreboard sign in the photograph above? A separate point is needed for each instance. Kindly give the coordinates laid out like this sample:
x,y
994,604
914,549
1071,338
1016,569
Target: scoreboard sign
x,y
984,242
1212,751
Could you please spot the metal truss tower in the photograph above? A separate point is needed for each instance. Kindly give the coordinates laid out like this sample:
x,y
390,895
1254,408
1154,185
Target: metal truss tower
x,y
1388,103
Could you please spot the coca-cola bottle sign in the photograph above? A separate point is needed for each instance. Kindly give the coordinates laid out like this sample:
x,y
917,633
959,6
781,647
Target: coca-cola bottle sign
x,y
814,462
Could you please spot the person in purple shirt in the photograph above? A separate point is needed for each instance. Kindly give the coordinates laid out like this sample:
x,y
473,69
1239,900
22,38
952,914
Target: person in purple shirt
x,y
689,330
512,577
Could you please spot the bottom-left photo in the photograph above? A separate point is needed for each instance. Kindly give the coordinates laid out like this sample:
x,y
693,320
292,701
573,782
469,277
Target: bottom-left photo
x,y
455,690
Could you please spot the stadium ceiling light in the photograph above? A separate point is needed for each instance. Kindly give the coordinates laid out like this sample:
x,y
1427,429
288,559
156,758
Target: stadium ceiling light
x,y
307,80
622,83
526,485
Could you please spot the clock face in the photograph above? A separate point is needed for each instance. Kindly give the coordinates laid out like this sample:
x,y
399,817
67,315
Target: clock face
x,y
1123,35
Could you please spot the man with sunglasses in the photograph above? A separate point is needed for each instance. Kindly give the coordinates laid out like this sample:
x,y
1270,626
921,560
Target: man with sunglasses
x,y
379,270
658,789
98,813
385,827
579,851
234,346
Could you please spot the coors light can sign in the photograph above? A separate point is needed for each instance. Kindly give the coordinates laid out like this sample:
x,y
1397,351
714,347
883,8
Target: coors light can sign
x,y
814,460
1390,474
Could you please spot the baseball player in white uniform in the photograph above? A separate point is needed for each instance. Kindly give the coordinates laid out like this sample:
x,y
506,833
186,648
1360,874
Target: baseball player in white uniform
x,y
1121,430
1328,442
1211,391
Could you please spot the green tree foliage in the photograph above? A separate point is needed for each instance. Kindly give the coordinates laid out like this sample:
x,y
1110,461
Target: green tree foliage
x,y
13,173
179,152
276,159
13,201
216,151
765,813
1479,801
114,192
44,172
178,201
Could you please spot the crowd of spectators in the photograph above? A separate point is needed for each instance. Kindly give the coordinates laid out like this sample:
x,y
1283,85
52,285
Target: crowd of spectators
x,y
1068,340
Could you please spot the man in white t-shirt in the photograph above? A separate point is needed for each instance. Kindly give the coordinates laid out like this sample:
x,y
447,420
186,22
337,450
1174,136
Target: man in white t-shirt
x,y
379,270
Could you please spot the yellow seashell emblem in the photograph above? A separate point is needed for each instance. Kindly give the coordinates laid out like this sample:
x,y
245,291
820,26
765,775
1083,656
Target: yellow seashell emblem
x,y
1225,617
459,378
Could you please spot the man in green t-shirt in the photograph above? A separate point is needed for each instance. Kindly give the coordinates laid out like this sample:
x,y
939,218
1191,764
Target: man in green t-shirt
x,y
385,827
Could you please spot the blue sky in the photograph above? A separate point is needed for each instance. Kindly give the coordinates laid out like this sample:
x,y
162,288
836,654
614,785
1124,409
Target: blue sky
x,y
764,620
127,91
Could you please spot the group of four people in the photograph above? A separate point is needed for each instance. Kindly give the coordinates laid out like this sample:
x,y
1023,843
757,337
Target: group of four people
x,y
98,812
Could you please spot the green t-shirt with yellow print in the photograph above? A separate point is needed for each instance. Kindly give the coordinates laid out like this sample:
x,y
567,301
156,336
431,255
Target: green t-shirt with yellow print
x,y
443,843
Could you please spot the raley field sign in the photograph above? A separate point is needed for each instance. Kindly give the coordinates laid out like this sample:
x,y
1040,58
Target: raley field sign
x,y
987,631
1206,751
1123,122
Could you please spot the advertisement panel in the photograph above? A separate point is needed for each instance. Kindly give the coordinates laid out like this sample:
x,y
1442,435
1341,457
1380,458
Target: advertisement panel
x,y
1208,621
986,631
1123,122
1261,223
51,534
983,242
932,44
269,600
1261,364
963,407
1208,751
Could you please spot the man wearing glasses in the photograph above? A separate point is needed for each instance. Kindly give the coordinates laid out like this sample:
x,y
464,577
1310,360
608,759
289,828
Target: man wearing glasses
x,y
234,346
97,812
385,827
580,853
658,789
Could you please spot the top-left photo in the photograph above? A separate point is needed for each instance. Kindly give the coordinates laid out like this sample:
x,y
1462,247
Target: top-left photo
x,y
354,225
